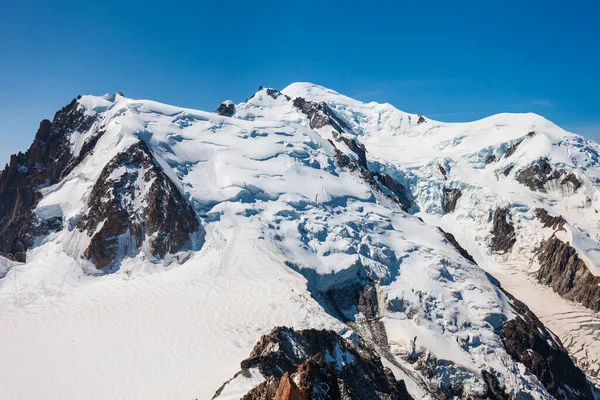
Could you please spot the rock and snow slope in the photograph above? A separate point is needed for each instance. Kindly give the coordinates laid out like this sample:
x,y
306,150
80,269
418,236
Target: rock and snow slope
x,y
154,245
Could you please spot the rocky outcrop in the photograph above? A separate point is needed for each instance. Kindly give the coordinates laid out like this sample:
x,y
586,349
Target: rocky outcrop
x,y
134,202
503,231
319,364
527,340
451,197
227,109
401,194
274,93
43,165
358,148
511,149
320,115
379,181
452,240
421,119
443,171
356,304
490,159
537,176
495,390
572,179
549,221
563,270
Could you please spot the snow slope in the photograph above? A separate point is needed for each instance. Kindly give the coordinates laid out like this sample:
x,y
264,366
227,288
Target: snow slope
x,y
284,221
413,153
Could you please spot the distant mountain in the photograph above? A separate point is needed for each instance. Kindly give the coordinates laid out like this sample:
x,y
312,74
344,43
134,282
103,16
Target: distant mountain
x,y
298,245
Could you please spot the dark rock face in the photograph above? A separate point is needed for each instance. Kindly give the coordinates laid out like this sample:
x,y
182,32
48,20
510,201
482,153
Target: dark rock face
x,y
226,109
504,232
443,171
452,240
319,364
402,194
490,159
320,115
356,304
538,175
140,202
511,150
495,390
563,270
508,170
451,197
527,340
358,149
274,93
43,165
421,120
573,180
382,182
548,221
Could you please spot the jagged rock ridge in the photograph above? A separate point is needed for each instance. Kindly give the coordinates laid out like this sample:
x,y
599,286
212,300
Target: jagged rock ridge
x,y
563,270
306,186
529,341
42,165
503,230
134,201
319,364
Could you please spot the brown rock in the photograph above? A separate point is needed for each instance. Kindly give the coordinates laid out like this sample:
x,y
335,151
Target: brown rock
x,y
527,340
563,270
503,231
166,220
451,197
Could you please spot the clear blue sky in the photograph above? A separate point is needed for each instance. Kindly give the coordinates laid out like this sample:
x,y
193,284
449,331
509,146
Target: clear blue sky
x,y
452,61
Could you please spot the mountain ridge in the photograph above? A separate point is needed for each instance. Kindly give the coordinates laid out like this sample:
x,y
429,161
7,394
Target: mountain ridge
x,y
318,188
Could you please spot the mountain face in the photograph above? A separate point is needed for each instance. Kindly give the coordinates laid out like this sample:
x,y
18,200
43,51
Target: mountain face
x,y
298,245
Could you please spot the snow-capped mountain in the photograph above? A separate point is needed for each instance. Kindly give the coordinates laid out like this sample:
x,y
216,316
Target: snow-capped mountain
x,y
301,244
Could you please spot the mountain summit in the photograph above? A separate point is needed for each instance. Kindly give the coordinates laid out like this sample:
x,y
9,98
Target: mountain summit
x,y
298,245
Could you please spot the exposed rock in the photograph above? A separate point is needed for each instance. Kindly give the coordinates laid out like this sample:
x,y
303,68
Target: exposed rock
x,y
319,364
227,109
41,166
503,231
378,180
443,171
507,170
265,391
320,115
402,194
572,179
314,380
132,201
490,159
452,240
511,150
537,176
548,221
274,93
527,340
421,119
495,390
563,270
358,149
451,197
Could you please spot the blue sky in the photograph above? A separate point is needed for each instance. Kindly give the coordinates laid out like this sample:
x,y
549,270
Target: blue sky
x,y
452,61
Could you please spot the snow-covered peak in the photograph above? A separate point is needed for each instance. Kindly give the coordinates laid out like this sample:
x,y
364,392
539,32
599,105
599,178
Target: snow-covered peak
x,y
292,208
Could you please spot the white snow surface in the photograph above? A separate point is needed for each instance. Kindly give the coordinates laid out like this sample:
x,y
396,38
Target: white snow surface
x,y
276,210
